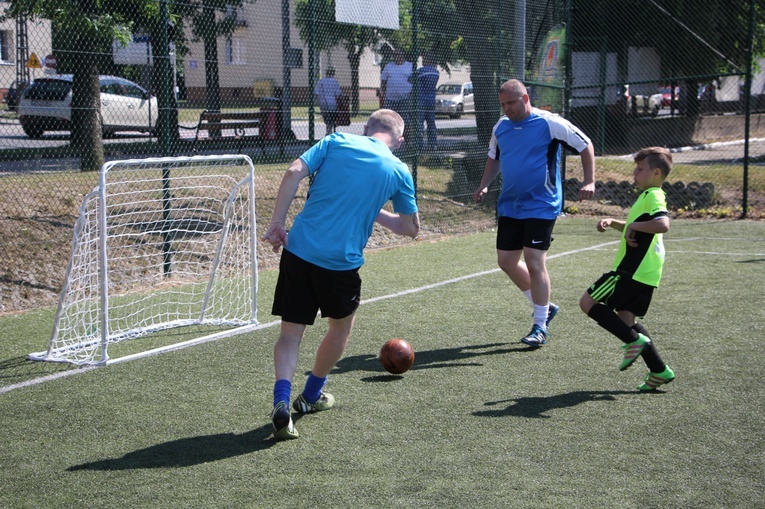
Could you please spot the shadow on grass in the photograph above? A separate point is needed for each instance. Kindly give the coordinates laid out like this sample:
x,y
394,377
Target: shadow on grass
x,y
427,359
21,369
186,452
537,407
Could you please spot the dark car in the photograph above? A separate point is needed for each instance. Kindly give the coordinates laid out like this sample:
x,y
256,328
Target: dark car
x,y
11,98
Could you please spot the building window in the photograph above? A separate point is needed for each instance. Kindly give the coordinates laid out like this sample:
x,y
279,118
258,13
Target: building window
x,y
6,37
238,13
234,51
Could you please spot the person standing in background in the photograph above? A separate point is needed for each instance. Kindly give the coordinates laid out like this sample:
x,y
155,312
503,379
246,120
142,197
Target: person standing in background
x,y
327,91
396,87
427,79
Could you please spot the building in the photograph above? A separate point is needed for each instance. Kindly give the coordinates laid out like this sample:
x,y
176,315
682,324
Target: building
x,y
250,62
24,46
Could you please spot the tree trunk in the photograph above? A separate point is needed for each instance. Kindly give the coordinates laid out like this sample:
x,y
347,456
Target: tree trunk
x,y
166,100
212,79
481,55
86,114
354,58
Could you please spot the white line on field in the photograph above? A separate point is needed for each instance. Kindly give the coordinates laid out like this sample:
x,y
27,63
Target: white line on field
x,y
215,337
477,274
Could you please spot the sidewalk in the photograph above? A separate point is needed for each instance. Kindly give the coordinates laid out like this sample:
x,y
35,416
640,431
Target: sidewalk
x,y
729,152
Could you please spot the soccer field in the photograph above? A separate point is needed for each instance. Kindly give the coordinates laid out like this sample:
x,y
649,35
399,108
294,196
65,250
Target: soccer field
x,y
479,421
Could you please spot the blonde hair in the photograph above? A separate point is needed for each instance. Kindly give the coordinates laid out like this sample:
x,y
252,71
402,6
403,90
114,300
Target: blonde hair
x,y
656,157
387,121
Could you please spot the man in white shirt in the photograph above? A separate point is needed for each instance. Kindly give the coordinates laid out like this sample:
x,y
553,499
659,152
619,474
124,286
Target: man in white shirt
x,y
396,86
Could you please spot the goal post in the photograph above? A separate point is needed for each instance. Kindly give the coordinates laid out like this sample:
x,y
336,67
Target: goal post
x,y
159,243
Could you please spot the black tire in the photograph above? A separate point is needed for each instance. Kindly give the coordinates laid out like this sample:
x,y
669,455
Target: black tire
x,y
458,113
33,131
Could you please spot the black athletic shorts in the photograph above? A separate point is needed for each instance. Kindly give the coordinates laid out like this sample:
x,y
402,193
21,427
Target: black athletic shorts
x,y
303,289
622,293
515,234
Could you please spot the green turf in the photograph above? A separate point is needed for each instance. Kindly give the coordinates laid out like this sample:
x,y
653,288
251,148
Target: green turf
x,y
479,421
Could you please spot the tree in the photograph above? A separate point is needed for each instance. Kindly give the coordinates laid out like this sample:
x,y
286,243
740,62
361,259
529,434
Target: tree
x,y
355,40
90,25
436,33
211,19
315,20
163,27
481,52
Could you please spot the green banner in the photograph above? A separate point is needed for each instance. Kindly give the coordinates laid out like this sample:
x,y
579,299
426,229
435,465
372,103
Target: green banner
x,y
549,72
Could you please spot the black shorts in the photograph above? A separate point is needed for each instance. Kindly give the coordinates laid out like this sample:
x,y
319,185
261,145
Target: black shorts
x,y
303,289
622,293
515,234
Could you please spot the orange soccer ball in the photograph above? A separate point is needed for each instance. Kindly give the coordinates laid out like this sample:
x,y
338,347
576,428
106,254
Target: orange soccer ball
x,y
397,356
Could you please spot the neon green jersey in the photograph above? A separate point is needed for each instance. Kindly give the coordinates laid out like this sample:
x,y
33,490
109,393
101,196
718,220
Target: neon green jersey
x,y
643,263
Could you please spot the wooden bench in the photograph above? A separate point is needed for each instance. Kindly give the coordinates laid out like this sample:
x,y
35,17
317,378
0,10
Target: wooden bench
x,y
216,122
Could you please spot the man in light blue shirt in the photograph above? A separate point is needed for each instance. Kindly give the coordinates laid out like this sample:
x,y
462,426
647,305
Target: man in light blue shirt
x,y
354,176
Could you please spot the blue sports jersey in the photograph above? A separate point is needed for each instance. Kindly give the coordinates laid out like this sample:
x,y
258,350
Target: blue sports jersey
x,y
529,153
333,228
427,79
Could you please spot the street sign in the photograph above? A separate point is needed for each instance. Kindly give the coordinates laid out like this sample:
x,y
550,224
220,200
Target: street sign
x,y
34,62
50,62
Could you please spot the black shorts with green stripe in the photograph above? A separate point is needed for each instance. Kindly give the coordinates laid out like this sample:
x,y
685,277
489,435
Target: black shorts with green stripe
x,y
622,293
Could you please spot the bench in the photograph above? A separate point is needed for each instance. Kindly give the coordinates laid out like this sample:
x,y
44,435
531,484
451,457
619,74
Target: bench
x,y
238,121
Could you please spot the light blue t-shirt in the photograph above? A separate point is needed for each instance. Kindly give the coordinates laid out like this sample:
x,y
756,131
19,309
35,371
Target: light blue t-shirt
x,y
354,176
529,153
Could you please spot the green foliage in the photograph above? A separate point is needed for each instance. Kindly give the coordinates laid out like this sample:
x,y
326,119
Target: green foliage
x,y
315,20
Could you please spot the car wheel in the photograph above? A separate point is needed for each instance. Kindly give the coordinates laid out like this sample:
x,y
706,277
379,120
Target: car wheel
x,y
33,132
458,113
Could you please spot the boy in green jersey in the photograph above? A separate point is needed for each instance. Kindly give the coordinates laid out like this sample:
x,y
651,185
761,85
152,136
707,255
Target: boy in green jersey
x,y
620,296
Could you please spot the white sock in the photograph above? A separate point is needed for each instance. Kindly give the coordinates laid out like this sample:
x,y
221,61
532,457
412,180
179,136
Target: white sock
x,y
540,315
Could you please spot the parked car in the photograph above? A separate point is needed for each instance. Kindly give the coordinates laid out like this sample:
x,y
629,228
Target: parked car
x,y
640,105
46,105
454,99
667,99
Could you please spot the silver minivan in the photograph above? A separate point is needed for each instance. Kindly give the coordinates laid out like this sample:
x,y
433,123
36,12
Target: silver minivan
x,y
454,99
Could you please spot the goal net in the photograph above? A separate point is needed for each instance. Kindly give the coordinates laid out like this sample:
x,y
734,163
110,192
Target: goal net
x,y
159,243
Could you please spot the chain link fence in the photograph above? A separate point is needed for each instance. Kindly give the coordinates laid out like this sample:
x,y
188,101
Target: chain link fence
x,y
122,80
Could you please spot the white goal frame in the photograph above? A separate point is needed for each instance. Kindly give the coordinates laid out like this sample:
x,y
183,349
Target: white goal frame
x,y
159,243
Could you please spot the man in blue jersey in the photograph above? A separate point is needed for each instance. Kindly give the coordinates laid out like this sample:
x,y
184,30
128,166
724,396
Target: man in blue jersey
x,y
526,148
353,177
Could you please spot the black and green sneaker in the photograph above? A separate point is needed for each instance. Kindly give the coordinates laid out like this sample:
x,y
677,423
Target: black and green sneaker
x,y
282,422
